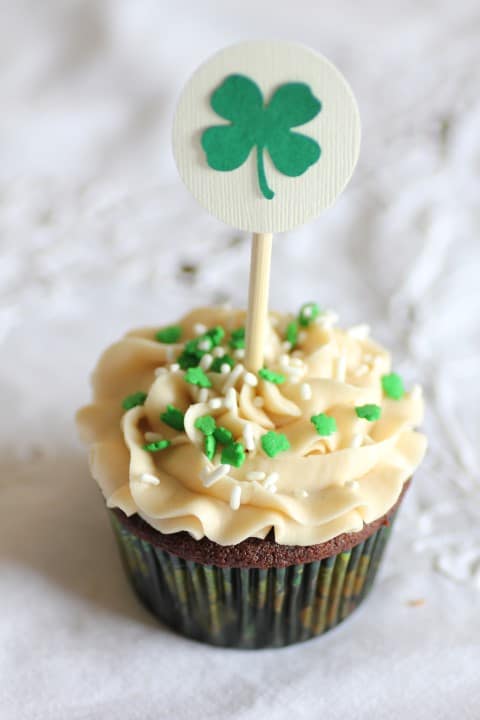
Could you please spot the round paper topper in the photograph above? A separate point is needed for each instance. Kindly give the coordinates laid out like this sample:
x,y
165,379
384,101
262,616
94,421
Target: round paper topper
x,y
266,135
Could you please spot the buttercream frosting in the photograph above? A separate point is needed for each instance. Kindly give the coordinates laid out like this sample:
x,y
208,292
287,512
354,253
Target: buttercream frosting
x,y
318,488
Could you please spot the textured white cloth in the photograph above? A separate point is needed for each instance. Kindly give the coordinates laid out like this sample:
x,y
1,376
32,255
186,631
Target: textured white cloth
x,y
99,235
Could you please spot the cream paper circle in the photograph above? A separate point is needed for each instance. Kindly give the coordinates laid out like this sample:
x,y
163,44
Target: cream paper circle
x,y
234,196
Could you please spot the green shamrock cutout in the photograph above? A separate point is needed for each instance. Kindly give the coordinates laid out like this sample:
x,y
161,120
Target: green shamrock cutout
x,y
266,127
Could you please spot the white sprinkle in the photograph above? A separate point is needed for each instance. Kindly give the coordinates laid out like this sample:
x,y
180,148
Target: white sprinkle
x,y
250,379
258,402
218,351
225,368
302,336
235,497
199,329
299,493
272,479
239,354
295,362
341,368
149,479
206,361
215,403
203,395
307,311
359,331
352,484
230,401
174,367
153,437
287,346
233,376
284,361
416,392
327,319
256,475
356,441
170,352
208,478
306,391
361,370
205,345
160,371
249,437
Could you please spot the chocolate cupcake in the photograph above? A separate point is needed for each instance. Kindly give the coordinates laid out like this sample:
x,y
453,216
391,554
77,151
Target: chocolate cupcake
x,y
251,510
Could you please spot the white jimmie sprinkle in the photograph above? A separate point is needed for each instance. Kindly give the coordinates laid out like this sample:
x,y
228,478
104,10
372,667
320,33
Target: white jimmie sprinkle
x,y
199,329
256,475
249,437
360,332
306,391
235,497
149,479
416,392
174,367
230,401
215,403
203,395
205,345
218,351
272,479
233,376
239,353
250,379
356,441
206,361
209,477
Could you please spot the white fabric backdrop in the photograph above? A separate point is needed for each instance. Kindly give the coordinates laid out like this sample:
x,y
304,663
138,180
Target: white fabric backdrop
x,y
99,235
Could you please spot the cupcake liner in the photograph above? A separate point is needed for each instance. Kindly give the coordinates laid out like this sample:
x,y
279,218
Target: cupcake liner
x,y
250,607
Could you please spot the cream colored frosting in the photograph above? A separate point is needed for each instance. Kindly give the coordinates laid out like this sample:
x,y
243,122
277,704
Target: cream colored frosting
x,y
325,485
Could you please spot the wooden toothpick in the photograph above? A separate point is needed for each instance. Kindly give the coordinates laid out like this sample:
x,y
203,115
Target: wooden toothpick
x,y
258,300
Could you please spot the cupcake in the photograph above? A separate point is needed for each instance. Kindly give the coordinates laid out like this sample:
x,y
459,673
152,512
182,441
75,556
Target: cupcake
x,y
251,509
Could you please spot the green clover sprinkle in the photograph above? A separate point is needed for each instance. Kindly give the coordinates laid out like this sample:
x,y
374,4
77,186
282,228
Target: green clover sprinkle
x,y
233,454
174,418
223,435
196,376
216,365
237,340
308,313
274,443
271,376
324,424
206,424
291,333
133,400
216,335
369,412
265,127
188,360
210,445
392,385
157,445
171,334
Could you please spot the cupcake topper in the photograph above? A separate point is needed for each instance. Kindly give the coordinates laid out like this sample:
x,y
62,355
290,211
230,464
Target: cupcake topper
x,y
238,149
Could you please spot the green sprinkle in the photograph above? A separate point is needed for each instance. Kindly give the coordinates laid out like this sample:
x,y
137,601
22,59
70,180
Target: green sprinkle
x,y
291,333
393,386
271,376
237,340
216,335
196,376
210,446
206,424
171,334
223,435
188,360
369,412
173,417
233,454
324,424
132,401
157,445
308,312
274,443
216,365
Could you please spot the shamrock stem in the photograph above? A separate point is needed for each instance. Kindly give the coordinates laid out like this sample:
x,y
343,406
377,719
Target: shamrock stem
x,y
262,180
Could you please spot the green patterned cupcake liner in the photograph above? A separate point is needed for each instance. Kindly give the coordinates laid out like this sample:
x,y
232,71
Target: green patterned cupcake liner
x,y
250,607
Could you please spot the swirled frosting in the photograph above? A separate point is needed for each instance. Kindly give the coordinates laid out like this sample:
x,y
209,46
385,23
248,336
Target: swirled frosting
x,y
320,487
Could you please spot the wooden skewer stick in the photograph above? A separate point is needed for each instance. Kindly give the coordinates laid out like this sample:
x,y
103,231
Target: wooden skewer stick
x,y
258,300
